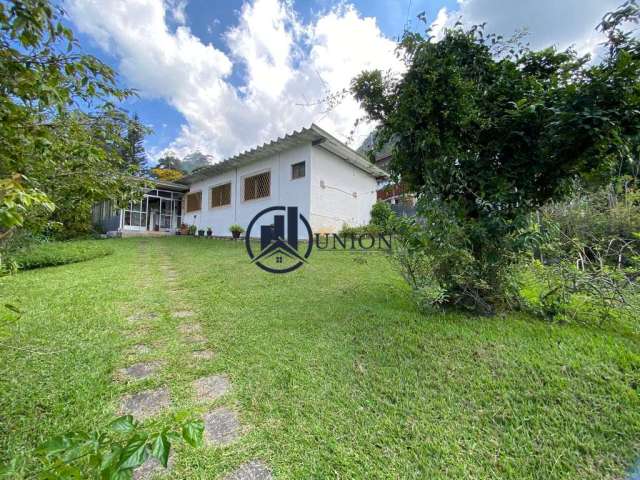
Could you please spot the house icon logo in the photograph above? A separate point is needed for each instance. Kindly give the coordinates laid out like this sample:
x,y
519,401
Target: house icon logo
x,y
280,253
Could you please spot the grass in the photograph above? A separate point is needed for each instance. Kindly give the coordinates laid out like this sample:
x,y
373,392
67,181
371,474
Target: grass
x,y
335,373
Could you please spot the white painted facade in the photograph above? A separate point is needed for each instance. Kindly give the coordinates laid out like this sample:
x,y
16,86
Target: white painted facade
x,y
334,191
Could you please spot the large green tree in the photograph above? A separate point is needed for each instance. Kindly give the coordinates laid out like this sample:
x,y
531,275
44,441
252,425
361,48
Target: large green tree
x,y
133,152
487,131
59,126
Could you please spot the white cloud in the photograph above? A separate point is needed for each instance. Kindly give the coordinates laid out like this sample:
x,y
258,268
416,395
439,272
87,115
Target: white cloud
x,y
562,23
287,67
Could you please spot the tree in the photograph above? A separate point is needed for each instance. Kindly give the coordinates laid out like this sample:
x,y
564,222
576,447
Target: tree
x,y
172,162
487,131
167,174
59,128
133,152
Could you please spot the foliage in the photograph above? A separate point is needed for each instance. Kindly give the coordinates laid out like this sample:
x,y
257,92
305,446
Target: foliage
x,y
487,131
511,396
166,174
590,225
192,229
16,199
235,228
58,124
46,254
188,164
381,215
132,149
111,453
586,251
170,162
371,229
566,291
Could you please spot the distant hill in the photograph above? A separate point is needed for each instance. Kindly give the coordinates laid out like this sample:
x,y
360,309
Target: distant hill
x,y
195,160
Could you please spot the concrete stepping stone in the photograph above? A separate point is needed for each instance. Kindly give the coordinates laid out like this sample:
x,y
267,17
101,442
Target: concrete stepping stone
x,y
152,468
140,371
190,328
253,470
139,349
140,316
212,387
195,339
145,404
183,314
221,427
203,354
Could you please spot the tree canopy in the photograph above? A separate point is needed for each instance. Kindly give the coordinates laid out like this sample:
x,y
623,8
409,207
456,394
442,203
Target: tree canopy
x,y
59,124
487,130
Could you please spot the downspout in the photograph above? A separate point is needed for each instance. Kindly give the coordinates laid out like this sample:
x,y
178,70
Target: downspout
x,y
235,203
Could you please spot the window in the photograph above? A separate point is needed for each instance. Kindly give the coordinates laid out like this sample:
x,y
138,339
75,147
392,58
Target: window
x,y
221,195
297,170
194,201
257,186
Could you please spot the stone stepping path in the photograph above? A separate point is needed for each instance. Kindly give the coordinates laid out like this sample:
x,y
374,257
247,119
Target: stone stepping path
x,y
253,470
203,354
139,349
195,339
140,371
145,404
211,388
152,468
140,316
190,328
221,427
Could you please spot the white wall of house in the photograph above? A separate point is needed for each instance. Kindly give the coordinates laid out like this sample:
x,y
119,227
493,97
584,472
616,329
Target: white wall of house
x,y
284,191
340,193
324,195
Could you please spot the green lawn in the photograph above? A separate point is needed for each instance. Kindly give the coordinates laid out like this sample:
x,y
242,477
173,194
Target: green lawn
x,y
335,373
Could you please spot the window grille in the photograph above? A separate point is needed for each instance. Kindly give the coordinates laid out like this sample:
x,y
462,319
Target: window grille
x,y
221,195
194,201
297,170
257,186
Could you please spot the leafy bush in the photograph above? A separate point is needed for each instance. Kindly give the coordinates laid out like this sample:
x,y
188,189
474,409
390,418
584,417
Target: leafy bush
x,y
46,254
192,229
112,453
441,267
235,228
586,263
487,131
382,215
591,225
347,230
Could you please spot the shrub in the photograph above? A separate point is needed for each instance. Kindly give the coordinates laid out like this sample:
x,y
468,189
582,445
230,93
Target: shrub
x,y
381,215
347,230
235,228
192,229
48,254
586,256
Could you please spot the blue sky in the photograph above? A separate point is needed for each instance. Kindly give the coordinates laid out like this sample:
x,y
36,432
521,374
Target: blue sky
x,y
223,76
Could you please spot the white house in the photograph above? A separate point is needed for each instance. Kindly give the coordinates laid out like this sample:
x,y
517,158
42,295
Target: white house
x,y
331,184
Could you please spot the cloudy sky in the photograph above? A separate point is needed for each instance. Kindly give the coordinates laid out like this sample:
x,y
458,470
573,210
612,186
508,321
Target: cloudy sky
x,y
221,76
